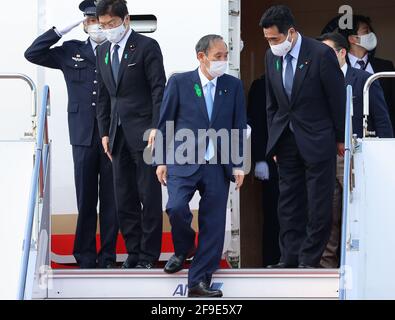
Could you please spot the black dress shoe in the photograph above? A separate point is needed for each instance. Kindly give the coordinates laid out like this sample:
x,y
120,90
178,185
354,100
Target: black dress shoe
x,y
87,266
202,290
145,265
281,265
129,263
305,266
176,263
109,265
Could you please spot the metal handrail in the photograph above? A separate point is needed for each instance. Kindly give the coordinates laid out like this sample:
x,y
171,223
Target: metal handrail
x,y
36,187
366,97
32,85
346,189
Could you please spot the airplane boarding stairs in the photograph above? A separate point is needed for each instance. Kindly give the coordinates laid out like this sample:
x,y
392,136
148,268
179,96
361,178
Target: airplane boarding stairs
x,y
38,281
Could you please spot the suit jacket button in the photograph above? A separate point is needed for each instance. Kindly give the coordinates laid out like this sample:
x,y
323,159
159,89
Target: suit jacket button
x,y
95,82
94,92
93,104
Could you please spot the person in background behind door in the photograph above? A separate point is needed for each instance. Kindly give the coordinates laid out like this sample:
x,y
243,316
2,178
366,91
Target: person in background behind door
x,y
379,121
92,168
265,170
363,44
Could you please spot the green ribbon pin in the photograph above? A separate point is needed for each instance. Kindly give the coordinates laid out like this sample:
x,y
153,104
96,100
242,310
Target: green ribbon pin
x,y
106,58
278,65
198,90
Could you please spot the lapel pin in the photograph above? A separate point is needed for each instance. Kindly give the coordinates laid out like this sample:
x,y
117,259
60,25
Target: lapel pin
x,y
126,55
220,92
106,58
303,65
198,91
278,67
132,47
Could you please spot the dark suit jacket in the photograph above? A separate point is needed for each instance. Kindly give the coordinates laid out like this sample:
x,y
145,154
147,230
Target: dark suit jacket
x,y
77,61
138,93
388,84
379,119
257,119
183,104
317,106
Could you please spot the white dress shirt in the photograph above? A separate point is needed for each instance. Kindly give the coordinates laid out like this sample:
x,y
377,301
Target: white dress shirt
x,y
94,45
344,69
295,54
122,45
354,63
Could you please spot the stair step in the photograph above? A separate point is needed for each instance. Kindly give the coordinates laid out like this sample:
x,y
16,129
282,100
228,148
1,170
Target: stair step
x,y
155,284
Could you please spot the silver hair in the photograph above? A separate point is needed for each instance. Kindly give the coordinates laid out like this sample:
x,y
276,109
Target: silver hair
x,y
205,43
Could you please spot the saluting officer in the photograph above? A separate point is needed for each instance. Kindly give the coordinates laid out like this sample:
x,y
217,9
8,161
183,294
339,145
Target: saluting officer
x,y
92,168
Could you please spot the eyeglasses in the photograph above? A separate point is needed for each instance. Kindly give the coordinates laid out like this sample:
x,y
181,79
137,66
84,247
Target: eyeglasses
x,y
111,24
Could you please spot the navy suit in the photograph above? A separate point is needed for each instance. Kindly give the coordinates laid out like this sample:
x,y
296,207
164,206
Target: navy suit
x,y
379,119
306,154
127,108
184,104
76,60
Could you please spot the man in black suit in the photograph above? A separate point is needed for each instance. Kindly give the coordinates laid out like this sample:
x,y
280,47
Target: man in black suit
x,y
131,80
265,170
306,100
379,121
363,44
92,169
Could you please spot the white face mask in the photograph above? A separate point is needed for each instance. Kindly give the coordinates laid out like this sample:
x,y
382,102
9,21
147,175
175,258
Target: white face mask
x,y
95,33
116,34
217,68
368,41
283,48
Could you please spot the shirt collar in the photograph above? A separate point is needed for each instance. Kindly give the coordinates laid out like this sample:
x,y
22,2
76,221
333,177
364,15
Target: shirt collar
x,y
354,60
344,69
296,49
122,43
204,80
93,44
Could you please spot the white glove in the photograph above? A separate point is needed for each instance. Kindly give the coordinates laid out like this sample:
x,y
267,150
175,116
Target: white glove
x,y
262,171
62,31
249,130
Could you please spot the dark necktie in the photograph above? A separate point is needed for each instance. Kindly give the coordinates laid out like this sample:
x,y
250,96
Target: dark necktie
x,y
362,64
115,63
289,76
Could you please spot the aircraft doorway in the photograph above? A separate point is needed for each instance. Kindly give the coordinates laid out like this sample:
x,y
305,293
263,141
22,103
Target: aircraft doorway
x,y
311,18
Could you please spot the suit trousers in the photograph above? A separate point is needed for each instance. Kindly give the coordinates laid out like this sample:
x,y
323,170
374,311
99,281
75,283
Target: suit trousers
x,y
93,178
305,203
331,257
138,197
213,187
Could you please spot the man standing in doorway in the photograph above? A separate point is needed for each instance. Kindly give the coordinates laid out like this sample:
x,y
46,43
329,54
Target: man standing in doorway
x,y
306,100
131,80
